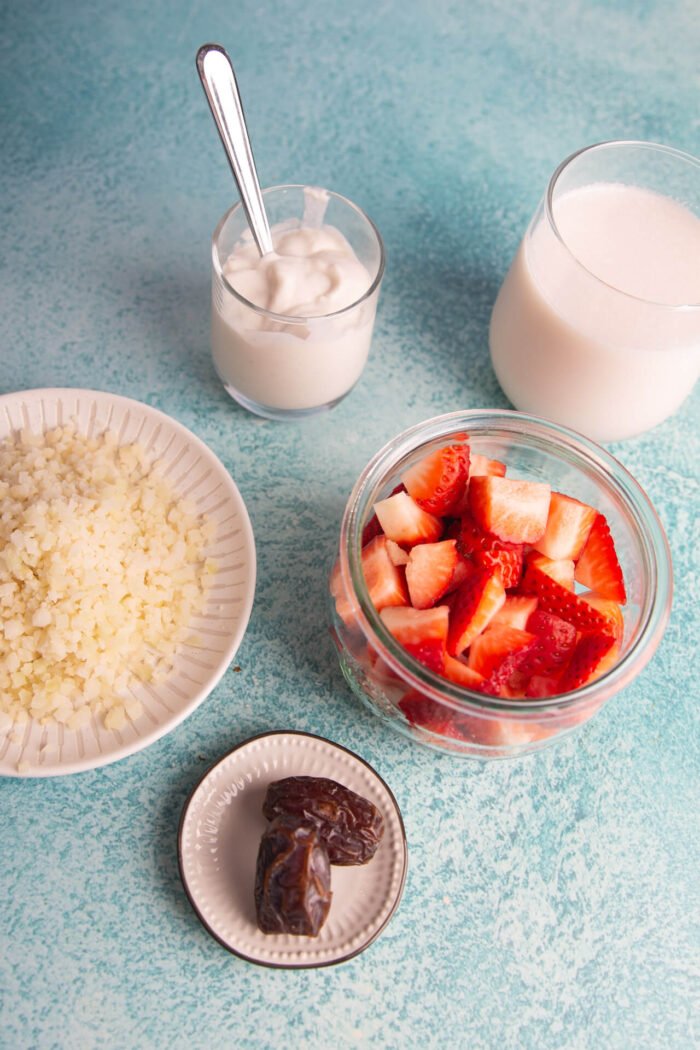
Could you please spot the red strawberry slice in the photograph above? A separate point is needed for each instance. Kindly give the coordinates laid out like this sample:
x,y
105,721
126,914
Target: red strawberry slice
x,y
552,642
437,482
494,645
459,673
607,608
598,567
542,686
397,554
373,528
561,570
385,581
426,713
471,607
417,627
516,611
515,511
404,522
568,525
487,550
429,572
481,466
554,598
431,653
594,654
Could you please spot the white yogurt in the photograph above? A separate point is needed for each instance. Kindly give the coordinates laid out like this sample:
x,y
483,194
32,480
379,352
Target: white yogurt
x,y
304,341
590,330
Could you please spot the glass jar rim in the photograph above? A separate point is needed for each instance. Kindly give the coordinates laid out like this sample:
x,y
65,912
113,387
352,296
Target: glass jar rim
x,y
653,147
288,319
657,594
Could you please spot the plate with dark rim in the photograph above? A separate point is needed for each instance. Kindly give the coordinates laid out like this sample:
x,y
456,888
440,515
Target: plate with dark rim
x,y
220,831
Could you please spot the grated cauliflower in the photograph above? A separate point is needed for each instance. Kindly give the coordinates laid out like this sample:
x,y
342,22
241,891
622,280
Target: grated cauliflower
x,y
102,568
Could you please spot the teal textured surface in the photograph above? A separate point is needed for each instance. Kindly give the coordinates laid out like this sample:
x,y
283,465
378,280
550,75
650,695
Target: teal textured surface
x,y
550,903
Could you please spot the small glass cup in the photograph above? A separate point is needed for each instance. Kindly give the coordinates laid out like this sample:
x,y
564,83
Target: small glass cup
x,y
606,342
456,719
286,367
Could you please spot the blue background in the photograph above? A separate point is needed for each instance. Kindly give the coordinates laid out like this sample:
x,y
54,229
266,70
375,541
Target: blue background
x,y
552,902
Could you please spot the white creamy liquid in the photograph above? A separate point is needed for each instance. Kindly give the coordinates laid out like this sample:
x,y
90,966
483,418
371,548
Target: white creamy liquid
x,y
312,274
586,334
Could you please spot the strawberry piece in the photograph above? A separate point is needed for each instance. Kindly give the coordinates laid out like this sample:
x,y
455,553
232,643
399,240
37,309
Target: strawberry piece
x,y
568,525
404,522
551,643
459,673
554,598
487,550
416,627
561,570
471,607
373,528
542,686
431,653
397,554
480,466
494,645
385,581
428,714
609,609
508,565
516,611
515,511
594,654
598,567
437,482
429,572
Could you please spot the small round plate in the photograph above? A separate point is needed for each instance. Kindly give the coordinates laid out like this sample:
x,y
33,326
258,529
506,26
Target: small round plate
x,y
194,472
220,831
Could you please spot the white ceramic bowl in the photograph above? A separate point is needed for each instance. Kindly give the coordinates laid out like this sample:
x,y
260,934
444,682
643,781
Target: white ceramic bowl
x,y
193,471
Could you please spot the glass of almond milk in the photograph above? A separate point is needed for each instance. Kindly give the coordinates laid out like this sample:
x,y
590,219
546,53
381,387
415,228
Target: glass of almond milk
x,y
597,324
291,330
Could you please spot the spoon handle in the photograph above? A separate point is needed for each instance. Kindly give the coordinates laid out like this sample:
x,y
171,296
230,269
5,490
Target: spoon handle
x,y
220,87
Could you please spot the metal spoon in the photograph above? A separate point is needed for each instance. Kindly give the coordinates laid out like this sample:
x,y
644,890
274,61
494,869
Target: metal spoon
x,y
220,87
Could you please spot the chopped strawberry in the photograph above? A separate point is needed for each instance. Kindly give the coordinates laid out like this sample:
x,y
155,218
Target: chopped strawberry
x,y
594,654
459,673
542,686
568,525
496,643
404,522
385,581
397,554
515,511
480,467
437,482
430,653
561,570
373,528
551,643
487,550
429,572
463,569
515,611
428,714
471,607
415,627
598,567
554,598
609,609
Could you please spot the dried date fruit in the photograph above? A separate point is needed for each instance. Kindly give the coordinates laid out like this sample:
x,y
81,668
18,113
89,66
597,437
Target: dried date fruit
x,y
292,879
350,826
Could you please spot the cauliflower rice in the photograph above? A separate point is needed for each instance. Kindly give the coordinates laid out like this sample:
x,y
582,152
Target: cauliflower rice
x,y
102,569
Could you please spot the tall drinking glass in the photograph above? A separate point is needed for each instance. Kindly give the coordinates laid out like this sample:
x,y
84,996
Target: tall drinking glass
x,y
597,324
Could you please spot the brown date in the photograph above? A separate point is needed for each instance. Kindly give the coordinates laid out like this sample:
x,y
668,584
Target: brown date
x,y
292,879
350,826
